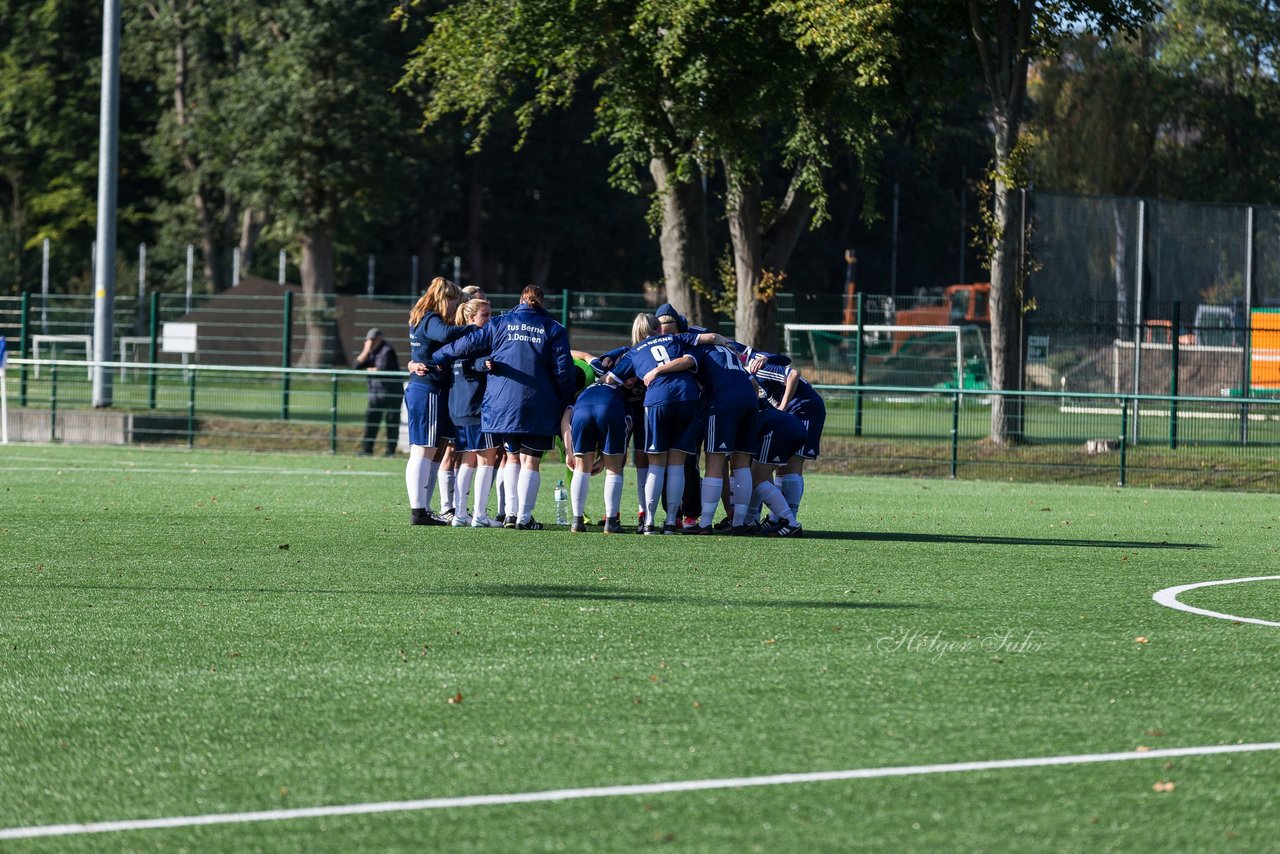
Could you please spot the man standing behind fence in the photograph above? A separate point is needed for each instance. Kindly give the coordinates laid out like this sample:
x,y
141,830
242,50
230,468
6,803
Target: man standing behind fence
x,y
385,392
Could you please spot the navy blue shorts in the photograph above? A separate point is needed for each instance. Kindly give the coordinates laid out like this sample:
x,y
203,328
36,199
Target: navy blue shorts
x,y
525,443
635,412
732,430
429,422
672,427
813,414
471,438
600,427
783,438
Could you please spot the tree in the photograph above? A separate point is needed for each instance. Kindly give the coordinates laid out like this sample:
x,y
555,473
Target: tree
x,y
682,89
48,125
1223,58
1007,35
190,48
314,133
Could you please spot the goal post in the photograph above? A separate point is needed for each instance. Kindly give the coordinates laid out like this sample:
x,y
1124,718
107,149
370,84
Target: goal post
x,y
904,355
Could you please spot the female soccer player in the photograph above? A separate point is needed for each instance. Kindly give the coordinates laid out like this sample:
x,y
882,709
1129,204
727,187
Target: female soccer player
x,y
671,405
477,449
599,426
530,383
790,392
430,327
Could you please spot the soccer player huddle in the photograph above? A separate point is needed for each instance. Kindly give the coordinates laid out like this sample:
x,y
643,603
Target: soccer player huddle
x,y
488,396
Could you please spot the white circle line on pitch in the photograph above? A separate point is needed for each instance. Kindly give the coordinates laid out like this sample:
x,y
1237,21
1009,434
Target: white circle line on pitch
x,y
1169,598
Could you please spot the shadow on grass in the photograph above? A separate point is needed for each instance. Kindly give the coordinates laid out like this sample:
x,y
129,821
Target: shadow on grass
x,y
606,594
493,591
965,539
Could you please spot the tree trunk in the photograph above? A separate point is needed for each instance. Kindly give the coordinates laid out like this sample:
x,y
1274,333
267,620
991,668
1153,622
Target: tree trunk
x,y
321,347
1122,270
753,317
683,241
1006,299
251,224
15,184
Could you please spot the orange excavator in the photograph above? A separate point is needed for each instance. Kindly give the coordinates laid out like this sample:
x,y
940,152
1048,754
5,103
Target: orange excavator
x,y
961,305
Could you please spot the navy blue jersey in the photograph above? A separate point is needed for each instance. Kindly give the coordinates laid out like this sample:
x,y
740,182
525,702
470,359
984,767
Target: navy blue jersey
x,y
533,376
466,395
772,378
726,384
425,338
657,350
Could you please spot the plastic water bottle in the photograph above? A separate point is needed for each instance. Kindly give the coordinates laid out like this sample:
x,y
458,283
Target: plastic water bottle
x,y
562,504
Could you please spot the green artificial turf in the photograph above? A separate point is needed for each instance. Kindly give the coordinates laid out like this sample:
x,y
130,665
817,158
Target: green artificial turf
x,y
195,633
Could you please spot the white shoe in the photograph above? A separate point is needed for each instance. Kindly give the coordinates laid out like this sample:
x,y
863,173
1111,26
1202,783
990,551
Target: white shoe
x,y
460,521
485,522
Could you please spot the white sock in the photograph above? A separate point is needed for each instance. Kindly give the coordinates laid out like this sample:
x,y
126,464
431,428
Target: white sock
x,y
510,482
653,492
740,494
642,479
461,488
711,487
416,473
612,494
529,482
675,492
447,479
578,488
753,504
792,488
484,482
777,502
433,469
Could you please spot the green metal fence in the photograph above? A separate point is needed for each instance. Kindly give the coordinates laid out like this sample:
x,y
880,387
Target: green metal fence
x,y
1137,439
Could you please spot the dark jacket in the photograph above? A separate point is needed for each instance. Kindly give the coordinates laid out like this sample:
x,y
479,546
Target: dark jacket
x,y
533,374
386,382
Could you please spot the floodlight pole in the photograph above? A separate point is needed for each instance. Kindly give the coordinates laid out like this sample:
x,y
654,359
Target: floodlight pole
x,y
104,284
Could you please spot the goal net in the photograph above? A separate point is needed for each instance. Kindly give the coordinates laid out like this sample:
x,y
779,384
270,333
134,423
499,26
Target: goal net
x,y
915,356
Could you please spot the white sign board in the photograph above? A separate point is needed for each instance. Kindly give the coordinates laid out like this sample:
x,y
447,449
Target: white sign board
x,y
179,337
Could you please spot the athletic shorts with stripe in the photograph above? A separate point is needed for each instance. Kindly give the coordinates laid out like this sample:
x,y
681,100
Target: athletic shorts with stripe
x,y
428,410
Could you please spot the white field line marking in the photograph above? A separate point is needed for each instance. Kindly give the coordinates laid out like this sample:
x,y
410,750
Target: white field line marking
x,y
1169,598
619,791
195,470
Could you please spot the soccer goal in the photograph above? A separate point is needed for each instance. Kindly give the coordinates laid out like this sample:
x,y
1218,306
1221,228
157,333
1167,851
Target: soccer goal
x,y
917,356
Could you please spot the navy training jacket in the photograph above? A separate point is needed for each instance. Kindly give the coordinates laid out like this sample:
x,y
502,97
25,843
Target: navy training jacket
x,y
533,374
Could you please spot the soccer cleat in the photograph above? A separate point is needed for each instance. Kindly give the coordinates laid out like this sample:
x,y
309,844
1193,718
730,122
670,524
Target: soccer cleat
x,y
484,522
671,528
509,522
787,529
649,530
460,521
578,526
724,525
500,518
768,526
689,523
748,530
419,516
700,530
613,525
532,525
446,517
